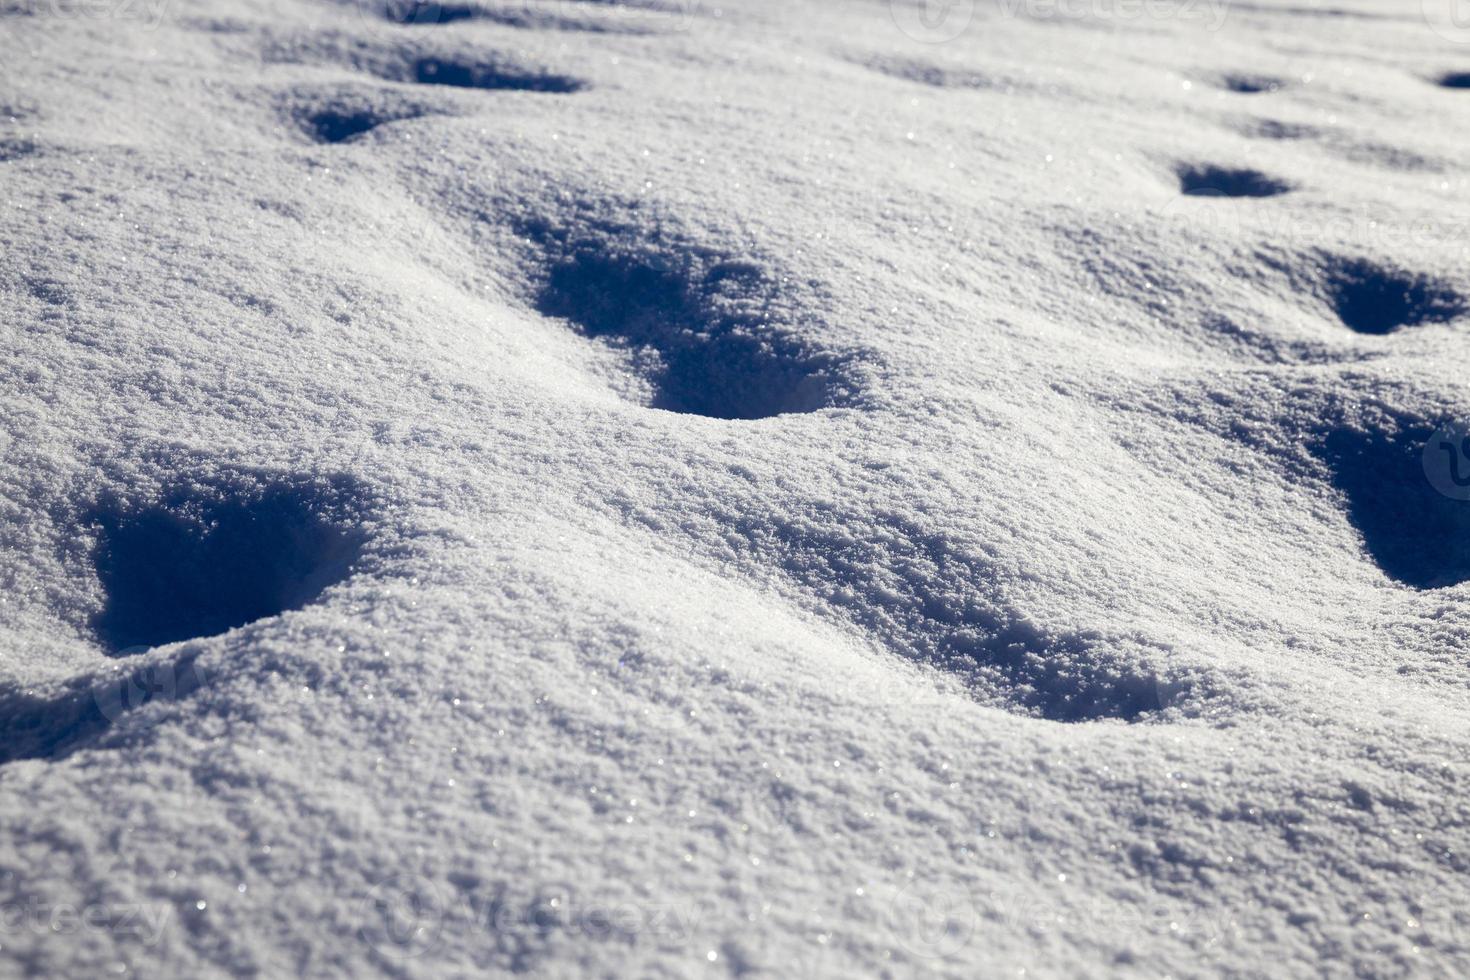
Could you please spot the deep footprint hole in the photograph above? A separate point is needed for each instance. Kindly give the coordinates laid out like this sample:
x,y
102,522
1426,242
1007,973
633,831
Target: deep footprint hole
x,y
1458,79
566,16
1370,299
15,149
459,74
1417,534
1250,84
412,13
204,562
1212,181
705,361
337,127
342,125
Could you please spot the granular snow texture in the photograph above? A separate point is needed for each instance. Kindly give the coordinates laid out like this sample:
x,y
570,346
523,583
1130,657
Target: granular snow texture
x,y
773,489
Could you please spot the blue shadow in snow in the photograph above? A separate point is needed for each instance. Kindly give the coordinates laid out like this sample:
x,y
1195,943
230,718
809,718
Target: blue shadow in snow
x,y
333,126
1415,534
457,74
1373,300
425,14
52,726
202,563
719,365
1208,180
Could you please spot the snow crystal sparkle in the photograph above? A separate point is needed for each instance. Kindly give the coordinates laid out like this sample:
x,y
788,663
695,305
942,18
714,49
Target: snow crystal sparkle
x,y
798,488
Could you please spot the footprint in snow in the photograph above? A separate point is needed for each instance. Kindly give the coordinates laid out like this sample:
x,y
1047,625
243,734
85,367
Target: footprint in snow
x,y
1377,300
484,70
708,350
338,126
345,113
415,13
1406,485
931,74
16,149
597,18
488,75
1212,181
1247,84
205,560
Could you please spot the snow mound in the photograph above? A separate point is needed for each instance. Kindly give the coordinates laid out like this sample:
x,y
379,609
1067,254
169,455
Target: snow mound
x,y
684,489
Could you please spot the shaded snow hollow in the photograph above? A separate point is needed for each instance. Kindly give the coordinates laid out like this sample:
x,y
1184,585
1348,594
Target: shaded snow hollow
x,y
778,489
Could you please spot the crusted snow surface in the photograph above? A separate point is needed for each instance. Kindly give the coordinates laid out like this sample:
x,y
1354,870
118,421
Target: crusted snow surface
x,y
767,489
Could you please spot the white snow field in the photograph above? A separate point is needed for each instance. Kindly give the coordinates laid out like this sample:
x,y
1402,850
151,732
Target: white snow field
x,y
778,489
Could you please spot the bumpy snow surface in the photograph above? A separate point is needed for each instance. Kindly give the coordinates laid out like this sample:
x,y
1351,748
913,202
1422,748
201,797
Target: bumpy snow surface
x,y
779,489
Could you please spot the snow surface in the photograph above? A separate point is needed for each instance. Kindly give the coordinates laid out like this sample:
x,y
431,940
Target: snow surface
x,y
776,489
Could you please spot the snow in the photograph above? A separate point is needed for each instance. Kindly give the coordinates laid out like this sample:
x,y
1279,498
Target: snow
x,y
781,488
